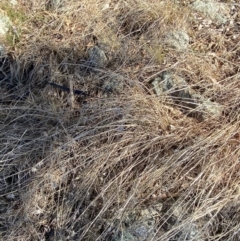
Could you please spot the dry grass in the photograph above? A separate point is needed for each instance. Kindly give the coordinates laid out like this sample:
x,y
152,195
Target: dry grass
x,y
74,171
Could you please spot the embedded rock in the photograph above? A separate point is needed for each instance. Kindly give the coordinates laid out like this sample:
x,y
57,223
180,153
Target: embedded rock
x,y
55,4
185,97
176,87
140,225
212,108
113,84
177,39
5,24
97,57
2,50
218,12
13,2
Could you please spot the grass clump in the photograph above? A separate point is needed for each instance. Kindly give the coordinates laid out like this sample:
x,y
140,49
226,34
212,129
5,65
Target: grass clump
x,y
16,15
17,18
119,160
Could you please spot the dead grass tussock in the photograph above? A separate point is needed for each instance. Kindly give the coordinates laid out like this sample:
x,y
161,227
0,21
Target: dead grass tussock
x,y
71,173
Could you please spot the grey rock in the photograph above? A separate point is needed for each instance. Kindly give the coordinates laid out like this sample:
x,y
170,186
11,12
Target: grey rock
x,y
176,87
189,232
10,196
194,233
137,232
113,84
2,50
177,39
219,12
97,57
55,4
181,93
212,108
13,2
140,225
5,24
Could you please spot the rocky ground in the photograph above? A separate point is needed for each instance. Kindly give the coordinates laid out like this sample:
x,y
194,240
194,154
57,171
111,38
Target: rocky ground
x,y
119,120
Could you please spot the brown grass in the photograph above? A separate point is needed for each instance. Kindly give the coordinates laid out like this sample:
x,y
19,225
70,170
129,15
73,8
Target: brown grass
x,y
74,171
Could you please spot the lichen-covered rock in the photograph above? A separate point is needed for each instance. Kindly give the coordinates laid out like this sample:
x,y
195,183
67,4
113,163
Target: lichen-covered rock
x,y
188,231
184,96
138,232
191,232
176,87
2,50
140,225
5,24
13,2
177,39
212,108
218,12
55,4
97,57
113,84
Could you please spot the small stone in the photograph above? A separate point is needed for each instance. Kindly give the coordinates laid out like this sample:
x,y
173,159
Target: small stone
x,y
105,6
141,232
34,169
10,196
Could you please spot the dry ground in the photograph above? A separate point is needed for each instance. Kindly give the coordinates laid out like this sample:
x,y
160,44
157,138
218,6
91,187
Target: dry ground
x,y
72,169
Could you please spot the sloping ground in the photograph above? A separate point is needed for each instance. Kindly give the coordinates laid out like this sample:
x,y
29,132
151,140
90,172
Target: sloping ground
x,y
139,157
